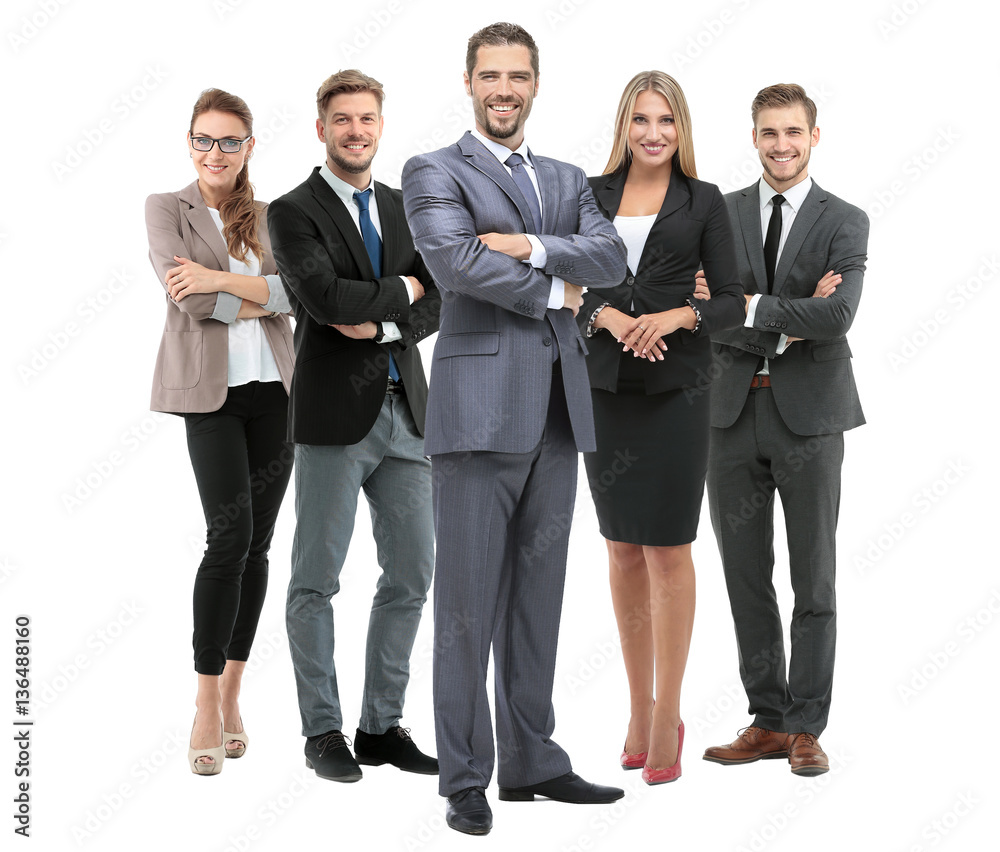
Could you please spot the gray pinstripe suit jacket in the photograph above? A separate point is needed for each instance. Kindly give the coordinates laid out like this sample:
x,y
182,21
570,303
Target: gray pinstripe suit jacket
x,y
492,365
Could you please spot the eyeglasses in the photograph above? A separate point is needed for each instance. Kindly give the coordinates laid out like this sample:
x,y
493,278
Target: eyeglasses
x,y
227,146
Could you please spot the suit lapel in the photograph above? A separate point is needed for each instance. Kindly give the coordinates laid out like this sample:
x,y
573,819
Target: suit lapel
x,y
548,188
609,194
331,204
812,209
484,161
204,226
748,205
391,219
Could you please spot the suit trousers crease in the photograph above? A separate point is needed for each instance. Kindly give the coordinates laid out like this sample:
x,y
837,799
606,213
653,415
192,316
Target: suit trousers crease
x,y
749,462
389,466
242,466
502,526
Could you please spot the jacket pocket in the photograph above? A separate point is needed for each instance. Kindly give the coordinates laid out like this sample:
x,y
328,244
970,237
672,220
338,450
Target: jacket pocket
x,y
831,351
468,343
182,356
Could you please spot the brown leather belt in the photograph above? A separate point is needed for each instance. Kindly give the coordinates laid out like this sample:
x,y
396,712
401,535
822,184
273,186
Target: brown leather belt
x,y
760,382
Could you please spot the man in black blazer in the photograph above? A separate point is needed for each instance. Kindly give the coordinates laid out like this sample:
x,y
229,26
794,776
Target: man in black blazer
x,y
362,299
784,396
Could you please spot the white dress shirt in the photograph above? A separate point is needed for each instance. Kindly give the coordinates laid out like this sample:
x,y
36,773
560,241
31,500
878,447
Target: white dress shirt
x,y
794,198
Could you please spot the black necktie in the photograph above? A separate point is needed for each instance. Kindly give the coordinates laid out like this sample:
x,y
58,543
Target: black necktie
x,y
373,245
772,239
514,162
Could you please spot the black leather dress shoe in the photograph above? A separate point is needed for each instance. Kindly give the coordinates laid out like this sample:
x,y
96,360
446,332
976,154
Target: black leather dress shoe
x,y
396,747
469,812
566,788
329,755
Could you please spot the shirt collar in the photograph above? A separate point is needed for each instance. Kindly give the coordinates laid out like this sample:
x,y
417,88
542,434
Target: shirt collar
x,y
345,192
794,196
502,152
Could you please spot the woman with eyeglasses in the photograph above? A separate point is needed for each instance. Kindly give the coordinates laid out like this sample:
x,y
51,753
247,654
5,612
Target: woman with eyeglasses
x,y
225,365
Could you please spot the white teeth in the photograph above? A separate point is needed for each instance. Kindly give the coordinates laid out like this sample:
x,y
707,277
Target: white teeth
x,y
503,108
782,159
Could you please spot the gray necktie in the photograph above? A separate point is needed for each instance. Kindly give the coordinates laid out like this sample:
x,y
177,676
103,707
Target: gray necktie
x,y
515,163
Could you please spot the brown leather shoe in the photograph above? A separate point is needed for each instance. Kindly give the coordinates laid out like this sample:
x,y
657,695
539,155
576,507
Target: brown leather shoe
x,y
806,756
751,744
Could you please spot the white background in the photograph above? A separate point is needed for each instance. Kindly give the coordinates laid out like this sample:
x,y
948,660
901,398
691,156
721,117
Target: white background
x,y
97,99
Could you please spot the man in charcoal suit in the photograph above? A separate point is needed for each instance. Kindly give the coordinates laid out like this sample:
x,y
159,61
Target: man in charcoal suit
x,y
785,396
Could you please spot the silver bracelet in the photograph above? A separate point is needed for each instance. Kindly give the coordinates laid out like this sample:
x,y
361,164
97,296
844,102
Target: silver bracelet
x,y
593,316
697,315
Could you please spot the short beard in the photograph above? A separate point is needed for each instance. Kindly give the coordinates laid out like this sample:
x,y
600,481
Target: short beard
x,y
352,167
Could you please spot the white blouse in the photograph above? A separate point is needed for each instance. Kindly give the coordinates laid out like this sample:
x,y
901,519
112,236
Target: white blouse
x,y
250,357
634,230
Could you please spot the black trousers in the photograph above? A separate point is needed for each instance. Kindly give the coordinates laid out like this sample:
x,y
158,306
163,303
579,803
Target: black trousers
x,y
242,465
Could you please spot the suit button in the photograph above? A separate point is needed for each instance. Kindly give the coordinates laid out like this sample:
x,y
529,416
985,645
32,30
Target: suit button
x,y
630,281
547,341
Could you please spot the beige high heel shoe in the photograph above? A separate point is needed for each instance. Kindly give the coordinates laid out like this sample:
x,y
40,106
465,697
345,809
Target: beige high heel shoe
x,y
240,737
217,754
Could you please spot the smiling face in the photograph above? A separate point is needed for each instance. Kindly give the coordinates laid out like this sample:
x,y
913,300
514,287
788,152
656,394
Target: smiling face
x,y
652,134
503,87
217,172
784,141
351,131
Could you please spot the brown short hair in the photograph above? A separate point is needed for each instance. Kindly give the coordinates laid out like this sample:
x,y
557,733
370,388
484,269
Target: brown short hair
x,y
498,35
347,82
782,95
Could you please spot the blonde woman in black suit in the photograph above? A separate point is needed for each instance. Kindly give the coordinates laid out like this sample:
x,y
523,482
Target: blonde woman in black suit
x,y
225,364
649,355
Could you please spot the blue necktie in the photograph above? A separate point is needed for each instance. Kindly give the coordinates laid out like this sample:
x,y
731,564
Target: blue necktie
x,y
373,245
514,162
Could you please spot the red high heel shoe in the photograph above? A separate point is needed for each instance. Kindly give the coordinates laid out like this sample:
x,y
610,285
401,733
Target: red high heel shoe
x,y
632,761
671,773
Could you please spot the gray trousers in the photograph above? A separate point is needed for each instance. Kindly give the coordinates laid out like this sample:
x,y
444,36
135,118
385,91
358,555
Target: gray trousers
x,y
390,467
748,462
502,522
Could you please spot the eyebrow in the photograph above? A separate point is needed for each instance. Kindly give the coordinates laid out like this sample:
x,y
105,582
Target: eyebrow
x,y
789,127
527,72
646,114
372,113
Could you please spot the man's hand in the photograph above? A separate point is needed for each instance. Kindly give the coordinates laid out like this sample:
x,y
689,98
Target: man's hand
x,y
701,290
827,285
364,331
191,277
573,297
417,287
516,246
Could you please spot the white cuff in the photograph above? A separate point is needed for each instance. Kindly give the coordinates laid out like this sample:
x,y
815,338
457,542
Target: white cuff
x,y
539,255
390,332
409,288
752,311
557,295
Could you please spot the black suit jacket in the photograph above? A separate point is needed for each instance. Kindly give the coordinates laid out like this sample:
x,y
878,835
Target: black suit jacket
x,y
691,231
339,383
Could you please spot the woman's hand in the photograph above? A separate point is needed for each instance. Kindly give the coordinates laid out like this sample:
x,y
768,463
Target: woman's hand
x,y
621,324
191,277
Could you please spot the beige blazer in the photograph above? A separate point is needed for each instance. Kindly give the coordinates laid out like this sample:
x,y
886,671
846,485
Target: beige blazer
x,y
192,367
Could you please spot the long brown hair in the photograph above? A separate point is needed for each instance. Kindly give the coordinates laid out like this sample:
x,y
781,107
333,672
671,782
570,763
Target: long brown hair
x,y
664,84
240,217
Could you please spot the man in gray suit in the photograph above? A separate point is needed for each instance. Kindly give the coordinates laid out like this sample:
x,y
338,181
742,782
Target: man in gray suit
x,y
780,406
509,407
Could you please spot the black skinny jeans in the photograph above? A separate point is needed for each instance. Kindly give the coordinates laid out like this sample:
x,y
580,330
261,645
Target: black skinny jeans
x,y
242,465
